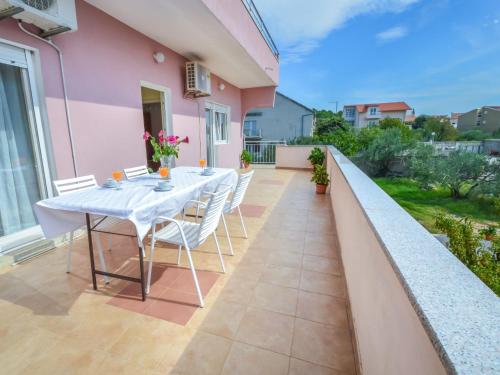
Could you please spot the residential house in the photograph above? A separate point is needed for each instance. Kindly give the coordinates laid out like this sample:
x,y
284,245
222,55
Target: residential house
x,y
454,118
363,115
124,72
486,119
286,120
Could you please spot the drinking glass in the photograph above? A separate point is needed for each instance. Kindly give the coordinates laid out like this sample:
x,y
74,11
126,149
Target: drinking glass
x,y
202,162
117,176
163,172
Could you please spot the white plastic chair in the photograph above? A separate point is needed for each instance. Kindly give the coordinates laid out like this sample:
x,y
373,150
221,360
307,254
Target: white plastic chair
x,y
135,172
72,185
191,235
234,203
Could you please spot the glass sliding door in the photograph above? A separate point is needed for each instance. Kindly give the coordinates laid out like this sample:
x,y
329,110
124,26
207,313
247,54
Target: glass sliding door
x,y
217,118
22,171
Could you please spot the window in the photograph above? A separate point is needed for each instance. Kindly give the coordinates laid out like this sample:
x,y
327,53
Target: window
x,y
372,123
373,111
349,112
250,128
219,120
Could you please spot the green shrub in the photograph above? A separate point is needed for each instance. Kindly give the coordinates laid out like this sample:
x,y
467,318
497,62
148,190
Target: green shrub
x,y
466,244
317,156
320,175
473,135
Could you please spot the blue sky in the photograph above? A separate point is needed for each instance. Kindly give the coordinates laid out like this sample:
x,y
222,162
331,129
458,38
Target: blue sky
x,y
439,56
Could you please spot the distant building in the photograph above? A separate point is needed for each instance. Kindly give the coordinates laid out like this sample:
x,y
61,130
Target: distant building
x,y
363,115
410,118
454,118
486,119
288,119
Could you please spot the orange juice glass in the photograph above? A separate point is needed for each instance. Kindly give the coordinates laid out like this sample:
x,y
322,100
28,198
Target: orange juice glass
x,y
117,175
202,163
163,172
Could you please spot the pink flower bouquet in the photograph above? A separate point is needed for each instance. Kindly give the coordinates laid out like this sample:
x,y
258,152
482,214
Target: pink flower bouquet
x,y
166,145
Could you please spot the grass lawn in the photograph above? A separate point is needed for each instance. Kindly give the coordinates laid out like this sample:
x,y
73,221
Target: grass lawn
x,y
425,205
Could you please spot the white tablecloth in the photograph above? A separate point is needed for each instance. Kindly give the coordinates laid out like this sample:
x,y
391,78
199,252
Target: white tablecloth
x,y
136,201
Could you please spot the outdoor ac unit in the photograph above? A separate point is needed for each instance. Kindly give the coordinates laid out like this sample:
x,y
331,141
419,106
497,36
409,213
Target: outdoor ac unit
x,y
52,16
197,80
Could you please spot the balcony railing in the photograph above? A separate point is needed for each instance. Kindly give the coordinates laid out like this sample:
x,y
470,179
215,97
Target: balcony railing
x,y
254,13
263,152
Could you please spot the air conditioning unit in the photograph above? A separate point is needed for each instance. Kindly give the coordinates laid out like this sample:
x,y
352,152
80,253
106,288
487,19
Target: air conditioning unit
x,y
52,16
198,81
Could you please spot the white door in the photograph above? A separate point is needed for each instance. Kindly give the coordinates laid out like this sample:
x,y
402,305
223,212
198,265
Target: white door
x,y
217,118
24,177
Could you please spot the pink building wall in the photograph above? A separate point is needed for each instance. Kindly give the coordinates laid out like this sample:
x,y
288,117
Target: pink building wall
x,y
105,61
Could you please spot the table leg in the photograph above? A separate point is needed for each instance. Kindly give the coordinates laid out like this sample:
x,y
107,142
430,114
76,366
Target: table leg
x,y
141,264
91,250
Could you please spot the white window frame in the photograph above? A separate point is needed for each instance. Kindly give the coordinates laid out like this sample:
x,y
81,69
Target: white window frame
x,y
225,110
252,129
349,112
372,111
37,117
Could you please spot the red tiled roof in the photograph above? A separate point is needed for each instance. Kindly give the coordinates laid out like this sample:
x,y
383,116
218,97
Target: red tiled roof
x,y
456,115
383,107
410,118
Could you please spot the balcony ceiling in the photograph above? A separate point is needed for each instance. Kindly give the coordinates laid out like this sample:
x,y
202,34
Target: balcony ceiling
x,y
189,28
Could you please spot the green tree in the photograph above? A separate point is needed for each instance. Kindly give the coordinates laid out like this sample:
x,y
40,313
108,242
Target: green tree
x,y
473,135
384,149
442,129
462,172
328,121
419,121
420,165
344,139
391,123
367,135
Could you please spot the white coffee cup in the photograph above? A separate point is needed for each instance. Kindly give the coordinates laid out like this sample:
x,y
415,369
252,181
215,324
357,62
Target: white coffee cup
x,y
162,185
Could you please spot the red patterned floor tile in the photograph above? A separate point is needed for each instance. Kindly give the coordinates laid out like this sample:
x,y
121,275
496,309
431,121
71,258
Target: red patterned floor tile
x,y
250,210
172,296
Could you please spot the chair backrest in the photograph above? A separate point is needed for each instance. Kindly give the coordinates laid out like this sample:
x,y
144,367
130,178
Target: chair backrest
x,y
240,190
213,212
71,185
135,172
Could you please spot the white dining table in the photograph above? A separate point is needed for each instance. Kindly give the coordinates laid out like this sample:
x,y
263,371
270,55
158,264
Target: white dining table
x,y
136,200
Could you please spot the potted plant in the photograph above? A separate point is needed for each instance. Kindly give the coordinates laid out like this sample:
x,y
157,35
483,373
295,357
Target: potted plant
x,y
166,148
320,177
316,157
246,158
489,232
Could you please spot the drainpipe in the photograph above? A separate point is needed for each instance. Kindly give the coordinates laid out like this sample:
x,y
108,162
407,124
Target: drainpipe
x,y
302,123
65,94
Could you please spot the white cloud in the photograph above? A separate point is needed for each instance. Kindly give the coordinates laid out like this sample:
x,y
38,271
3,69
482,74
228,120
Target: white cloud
x,y
298,26
391,34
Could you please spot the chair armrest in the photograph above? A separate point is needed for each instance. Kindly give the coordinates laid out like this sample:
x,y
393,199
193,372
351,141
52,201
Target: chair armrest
x,y
200,203
160,219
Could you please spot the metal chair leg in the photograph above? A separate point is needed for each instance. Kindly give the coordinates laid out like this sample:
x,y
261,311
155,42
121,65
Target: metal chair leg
x,y
219,252
70,249
227,235
195,278
242,223
179,255
150,266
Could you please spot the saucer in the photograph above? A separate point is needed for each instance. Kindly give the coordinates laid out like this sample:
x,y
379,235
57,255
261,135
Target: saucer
x,y
167,188
110,186
207,173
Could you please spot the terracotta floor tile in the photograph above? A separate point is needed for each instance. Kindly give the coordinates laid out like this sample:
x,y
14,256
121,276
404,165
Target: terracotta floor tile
x,y
185,283
270,182
322,283
314,263
251,210
285,259
321,249
275,298
239,290
283,276
267,330
174,306
299,367
224,319
245,359
205,354
322,309
323,345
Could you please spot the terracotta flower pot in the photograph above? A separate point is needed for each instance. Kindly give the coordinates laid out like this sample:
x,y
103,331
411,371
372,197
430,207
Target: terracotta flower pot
x,y
488,237
321,189
246,165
